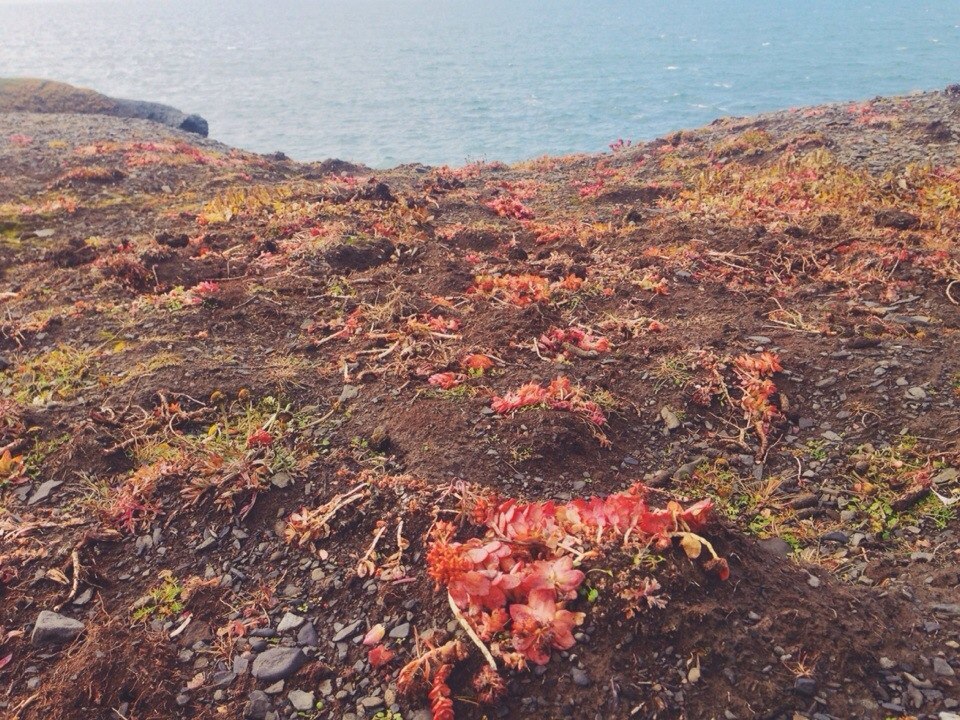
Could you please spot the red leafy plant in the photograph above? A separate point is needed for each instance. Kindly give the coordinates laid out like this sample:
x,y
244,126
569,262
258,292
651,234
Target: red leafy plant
x,y
756,388
446,380
510,207
572,341
512,584
559,394
522,289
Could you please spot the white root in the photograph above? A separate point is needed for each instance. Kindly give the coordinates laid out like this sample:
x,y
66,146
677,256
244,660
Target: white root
x,y
470,633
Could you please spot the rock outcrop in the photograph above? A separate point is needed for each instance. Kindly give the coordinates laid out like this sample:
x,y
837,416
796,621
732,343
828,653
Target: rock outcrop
x,y
47,96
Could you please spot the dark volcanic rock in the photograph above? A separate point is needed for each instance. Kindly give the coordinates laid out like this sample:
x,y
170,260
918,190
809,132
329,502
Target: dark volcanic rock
x,y
163,114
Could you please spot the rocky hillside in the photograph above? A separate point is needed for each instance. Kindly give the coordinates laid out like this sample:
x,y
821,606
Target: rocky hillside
x,y
30,95
668,432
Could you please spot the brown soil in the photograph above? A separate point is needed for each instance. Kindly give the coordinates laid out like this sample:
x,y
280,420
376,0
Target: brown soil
x,y
164,297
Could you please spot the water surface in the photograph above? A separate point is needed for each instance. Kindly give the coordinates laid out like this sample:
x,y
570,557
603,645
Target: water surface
x,y
444,81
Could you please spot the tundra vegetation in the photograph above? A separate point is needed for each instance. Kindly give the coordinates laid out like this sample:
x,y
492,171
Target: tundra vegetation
x,y
665,432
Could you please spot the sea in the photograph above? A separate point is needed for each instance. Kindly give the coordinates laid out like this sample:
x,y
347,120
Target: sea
x,y
386,82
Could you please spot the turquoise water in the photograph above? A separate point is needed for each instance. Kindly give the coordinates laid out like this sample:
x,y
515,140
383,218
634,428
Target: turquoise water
x,y
443,81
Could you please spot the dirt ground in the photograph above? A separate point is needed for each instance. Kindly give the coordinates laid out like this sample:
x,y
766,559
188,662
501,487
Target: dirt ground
x,y
241,397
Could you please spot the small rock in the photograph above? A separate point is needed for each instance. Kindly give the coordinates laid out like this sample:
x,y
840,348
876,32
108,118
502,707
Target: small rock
x,y
84,597
916,393
53,628
946,476
776,546
400,631
307,636
670,418
278,663
579,677
346,632
805,686
942,667
289,622
837,536
281,480
43,492
887,664
258,704
301,700
223,678
349,392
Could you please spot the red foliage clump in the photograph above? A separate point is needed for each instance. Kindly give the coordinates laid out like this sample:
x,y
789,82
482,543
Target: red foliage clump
x,y
555,340
511,207
518,577
446,380
560,394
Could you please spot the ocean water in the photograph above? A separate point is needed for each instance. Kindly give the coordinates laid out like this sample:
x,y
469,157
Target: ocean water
x,y
385,82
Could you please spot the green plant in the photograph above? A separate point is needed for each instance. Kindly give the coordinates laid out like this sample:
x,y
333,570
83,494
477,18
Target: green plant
x,y
388,715
163,601
816,449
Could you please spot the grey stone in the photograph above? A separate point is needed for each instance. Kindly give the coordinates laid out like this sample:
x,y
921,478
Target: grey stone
x,y
805,686
84,597
916,393
349,392
300,700
400,631
942,667
776,546
289,622
43,492
278,663
670,419
346,632
579,677
281,479
837,536
257,707
946,476
222,678
307,636
53,628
